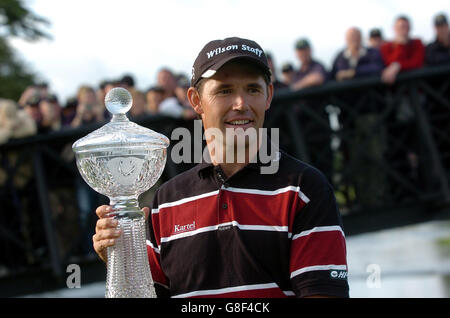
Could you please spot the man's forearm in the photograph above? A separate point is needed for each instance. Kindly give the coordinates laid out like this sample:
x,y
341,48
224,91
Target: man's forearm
x,y
312,79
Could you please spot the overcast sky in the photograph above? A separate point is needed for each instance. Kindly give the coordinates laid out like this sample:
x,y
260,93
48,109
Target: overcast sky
x,y
103,39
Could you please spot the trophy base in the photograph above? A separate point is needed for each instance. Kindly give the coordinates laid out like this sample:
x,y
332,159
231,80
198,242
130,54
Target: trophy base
x,y
128,270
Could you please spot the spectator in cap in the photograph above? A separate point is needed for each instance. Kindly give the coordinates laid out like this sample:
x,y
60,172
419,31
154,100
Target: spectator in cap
x,y
287,73
375,38
356,60
311,72
438,52
402,53
154,97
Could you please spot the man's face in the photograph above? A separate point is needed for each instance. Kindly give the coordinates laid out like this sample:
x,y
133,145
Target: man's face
x,y
88,97
442,31
401,28
304,55
34,112
235,97
375,42
353,39
166,80
47,110
155,97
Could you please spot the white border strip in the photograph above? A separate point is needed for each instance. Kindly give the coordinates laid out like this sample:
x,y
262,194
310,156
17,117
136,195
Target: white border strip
x,y
216,227
231,290
319,229
266,192
156,249
231,189
189,199
317,268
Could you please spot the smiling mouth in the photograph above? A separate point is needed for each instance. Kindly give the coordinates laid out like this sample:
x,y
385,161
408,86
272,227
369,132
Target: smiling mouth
x,y
239,122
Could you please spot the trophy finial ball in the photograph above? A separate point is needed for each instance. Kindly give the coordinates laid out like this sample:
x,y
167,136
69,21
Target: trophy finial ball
x,y
118,101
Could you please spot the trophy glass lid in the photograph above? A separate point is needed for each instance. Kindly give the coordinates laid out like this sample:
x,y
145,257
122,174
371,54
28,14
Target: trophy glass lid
x,y
120,131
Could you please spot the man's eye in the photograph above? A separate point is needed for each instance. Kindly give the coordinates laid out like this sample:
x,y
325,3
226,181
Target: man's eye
x,y
225,91
254,90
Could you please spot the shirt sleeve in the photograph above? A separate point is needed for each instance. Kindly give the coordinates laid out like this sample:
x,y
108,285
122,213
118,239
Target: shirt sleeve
x,y
318,264
409,57
337,66
320,69
160,280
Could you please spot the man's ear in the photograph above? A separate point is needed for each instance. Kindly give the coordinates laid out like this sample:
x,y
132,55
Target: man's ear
x,y
269,95
194,99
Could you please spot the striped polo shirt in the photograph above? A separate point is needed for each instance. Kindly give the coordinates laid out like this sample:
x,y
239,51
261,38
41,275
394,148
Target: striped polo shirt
x,y
249,235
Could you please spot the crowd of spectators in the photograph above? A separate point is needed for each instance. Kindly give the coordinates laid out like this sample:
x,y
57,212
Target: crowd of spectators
x,y
380,57
167,97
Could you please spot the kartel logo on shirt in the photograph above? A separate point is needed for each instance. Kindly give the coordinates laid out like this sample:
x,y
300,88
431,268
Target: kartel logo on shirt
x,y
184,228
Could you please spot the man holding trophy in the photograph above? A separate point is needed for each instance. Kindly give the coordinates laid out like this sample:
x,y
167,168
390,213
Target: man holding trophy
x,y
227,227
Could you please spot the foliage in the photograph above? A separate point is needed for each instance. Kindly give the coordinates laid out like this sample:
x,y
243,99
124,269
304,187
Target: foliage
x,y
18,21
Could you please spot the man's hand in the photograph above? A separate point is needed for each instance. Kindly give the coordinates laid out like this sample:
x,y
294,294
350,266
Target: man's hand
x,y
389,74
345,74
106,231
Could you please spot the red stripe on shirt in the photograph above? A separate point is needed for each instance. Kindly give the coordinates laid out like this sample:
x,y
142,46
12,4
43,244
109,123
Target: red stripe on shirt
x,y
155,266
210,211
318,248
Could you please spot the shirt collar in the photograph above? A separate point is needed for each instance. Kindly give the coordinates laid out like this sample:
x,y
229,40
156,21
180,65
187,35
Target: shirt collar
x,y
362,51
204,167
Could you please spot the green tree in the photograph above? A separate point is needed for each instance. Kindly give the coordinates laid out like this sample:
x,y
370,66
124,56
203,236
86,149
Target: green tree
x,y
16,20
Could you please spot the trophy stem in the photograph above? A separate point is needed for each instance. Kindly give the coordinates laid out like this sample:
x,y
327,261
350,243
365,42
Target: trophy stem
x,y
125,206
128,270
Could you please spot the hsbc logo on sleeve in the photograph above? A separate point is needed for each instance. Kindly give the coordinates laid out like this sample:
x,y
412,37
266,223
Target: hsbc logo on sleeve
x,y
338,274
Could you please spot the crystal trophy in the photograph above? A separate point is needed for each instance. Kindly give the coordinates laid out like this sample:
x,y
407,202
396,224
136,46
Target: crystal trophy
x,y
122,160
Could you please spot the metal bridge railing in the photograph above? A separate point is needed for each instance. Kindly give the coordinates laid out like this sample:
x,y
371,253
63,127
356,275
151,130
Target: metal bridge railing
x,y
378,145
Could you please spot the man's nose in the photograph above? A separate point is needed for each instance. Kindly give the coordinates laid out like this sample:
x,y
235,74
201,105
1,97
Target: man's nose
x,y
240,102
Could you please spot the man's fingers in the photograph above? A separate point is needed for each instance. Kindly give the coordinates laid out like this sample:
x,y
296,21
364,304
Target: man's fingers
x,y
103,210
109,234
99,246
146,212
106,223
